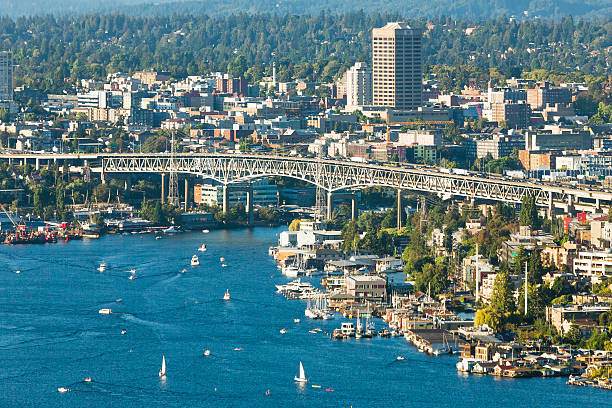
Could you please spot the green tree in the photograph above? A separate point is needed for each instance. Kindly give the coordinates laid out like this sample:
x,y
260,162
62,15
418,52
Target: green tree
x,y
529,213
502,298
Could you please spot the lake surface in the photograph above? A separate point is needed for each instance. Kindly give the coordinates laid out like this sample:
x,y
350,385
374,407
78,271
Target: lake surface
x,y
51,335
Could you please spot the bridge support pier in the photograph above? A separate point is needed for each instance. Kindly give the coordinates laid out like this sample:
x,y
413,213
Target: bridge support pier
x,y
330,205
102,177
249,206
225,198
37,164
163,188
597,204
399,208
354,207
186,193
550,211
570,204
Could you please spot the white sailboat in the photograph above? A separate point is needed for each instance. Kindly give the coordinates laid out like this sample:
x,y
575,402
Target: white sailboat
x,y
162,372
227,295
302,377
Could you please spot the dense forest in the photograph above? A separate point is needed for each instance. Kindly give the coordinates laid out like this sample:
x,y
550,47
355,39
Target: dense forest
x,y
409,8
49,49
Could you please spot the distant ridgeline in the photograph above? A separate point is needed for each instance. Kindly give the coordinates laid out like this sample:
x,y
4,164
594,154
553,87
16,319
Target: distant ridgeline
x,y
409,8
318,47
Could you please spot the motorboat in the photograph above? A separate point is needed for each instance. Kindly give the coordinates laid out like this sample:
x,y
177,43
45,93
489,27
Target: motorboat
x,y
227,295
158,237
202,248
283,331
162,371
17,272
87,379
172,230
206,353
291,271
205,231
131,271
222,259
123,331
399,358
105,311
131,277
224,265
63,389
302,377
102,266
195,261
296,320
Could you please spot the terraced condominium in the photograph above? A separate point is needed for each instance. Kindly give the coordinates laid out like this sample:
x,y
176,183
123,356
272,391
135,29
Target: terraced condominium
x,y
397,66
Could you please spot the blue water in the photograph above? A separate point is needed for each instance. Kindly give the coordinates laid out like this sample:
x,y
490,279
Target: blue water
x,y
51,335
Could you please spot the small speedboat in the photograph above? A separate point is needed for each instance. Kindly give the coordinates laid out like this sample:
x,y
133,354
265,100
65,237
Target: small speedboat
x,y
399,358
63,389
102,267
202,248
123,332
131,271
224,265
206,352
283,331
87,379
158,237
17,272
222,259
205,231
195,261
131,277
296,320
227,295
105,311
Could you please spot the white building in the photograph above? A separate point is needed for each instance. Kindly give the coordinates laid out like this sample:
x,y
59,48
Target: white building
x,y
358,86
594,264
264,193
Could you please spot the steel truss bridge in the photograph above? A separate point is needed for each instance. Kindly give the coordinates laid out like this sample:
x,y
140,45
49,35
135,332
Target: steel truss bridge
x,y
333,176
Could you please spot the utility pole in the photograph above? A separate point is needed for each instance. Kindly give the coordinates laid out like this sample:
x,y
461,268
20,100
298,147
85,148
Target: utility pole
x,y
525,288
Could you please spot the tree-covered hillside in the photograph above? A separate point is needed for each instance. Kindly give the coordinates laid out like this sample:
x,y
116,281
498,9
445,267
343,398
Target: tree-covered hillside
x,y
320,47
408,8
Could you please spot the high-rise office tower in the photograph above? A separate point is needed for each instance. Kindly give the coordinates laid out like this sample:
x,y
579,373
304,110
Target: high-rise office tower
x,y
6,76
358,85
397,66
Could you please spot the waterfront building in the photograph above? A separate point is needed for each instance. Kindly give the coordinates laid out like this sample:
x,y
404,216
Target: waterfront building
x,y
264,193
358,86
397,66
366,287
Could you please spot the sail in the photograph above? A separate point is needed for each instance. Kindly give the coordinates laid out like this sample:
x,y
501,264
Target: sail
x,y
163,367
302,373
